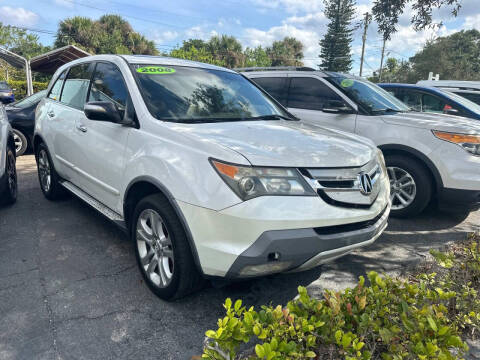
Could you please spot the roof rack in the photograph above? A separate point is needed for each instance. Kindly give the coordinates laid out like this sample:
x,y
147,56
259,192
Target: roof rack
x,y
276,68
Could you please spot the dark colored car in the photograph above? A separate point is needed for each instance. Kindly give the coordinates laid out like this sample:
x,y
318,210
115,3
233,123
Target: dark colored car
x,y
6,93
21,116
433,100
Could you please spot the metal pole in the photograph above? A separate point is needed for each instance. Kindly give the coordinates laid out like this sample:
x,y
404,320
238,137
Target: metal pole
x,y
364,39
381,60
29,78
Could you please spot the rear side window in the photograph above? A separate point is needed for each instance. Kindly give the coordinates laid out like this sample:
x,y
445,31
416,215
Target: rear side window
x,y
309,93
470,96
76,86
57,87
411,98
277,87
108,85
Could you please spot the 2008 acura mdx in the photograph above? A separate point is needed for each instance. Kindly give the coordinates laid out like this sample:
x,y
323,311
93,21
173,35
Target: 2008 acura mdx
x,y
209,174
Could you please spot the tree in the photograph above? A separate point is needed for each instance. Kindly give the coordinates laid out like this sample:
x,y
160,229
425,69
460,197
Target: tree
x,y
287,52
396,71
194,54
226,49
387,13
257,57
111,34
335,45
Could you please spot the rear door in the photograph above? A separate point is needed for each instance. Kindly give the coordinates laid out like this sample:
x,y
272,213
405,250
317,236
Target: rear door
x,y
277,87
309,98
101,145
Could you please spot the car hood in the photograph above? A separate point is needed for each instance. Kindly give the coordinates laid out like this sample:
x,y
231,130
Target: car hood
x,y
285,143
432,121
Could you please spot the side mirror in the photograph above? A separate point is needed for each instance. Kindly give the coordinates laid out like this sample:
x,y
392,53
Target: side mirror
x,y
337,107
102,111
450,111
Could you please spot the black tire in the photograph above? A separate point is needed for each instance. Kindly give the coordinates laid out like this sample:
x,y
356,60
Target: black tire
x,y
22,141
185,277
10,186
422,179
55,190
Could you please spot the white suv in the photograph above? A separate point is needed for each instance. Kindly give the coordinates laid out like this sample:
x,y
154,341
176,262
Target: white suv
x,y
208,174
428,156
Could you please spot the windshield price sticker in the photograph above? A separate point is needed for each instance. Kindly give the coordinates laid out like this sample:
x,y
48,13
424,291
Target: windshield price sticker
x,y
346,83
155,70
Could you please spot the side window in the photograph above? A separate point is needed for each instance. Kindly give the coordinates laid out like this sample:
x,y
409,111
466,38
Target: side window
x,y
108,85
57,87
277,87
76,86
433,104
470,96
411,98
310,93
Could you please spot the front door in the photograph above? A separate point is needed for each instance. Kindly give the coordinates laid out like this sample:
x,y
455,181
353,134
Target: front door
x,y
101,161
311,99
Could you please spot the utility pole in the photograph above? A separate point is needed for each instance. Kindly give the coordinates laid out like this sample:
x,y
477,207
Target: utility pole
x,y
381,60
364,39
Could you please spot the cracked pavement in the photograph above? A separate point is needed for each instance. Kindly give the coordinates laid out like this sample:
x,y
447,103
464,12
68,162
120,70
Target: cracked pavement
x,y
70,289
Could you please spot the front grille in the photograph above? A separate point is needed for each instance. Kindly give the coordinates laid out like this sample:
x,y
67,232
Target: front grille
x,y
342,186
335,229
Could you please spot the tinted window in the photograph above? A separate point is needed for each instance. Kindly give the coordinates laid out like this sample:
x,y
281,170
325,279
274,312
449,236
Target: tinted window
x,y
4,86
470,96
309,93
433,104
76,86
277,87
57,87
108,85
192,94
411,98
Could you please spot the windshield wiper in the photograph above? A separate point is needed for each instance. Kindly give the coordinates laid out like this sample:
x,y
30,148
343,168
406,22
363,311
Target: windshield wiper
x,y
272,117
386,110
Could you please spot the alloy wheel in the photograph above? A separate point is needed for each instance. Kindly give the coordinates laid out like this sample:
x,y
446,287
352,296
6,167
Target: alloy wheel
x,y
44,170
11,174
402,188
155,248
18,142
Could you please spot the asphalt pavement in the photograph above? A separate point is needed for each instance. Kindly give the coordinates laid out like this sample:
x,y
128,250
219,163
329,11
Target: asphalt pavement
x,y
70,288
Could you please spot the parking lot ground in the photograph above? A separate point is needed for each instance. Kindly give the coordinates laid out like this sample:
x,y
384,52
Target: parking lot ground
x,y
70,288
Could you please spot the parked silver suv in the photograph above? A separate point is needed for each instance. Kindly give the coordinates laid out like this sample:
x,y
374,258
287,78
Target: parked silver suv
x,y
8,172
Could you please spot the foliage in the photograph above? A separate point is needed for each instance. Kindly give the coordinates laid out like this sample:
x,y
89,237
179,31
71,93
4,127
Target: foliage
x,y
387,13
227,51
335,45
422,317
20,87
111,34
395,71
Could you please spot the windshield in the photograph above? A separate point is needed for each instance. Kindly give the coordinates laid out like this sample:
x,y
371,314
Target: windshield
x,y
368,95
4,86
31,100
470,105
189,94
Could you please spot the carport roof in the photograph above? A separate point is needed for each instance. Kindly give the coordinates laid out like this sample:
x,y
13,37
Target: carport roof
x,y
49,62
11,58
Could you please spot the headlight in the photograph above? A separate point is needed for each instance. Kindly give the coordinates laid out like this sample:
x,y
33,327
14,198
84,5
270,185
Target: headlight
x,y
381,161
249,182
470,143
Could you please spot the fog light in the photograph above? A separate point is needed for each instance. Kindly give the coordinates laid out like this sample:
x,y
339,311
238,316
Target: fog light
x,y
264,269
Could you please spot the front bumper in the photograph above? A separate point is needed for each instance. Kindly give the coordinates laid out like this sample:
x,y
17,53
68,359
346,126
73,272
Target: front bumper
x,y
251,232
458,200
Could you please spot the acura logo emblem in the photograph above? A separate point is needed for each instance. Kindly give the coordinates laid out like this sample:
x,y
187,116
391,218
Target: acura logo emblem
x,y
365,183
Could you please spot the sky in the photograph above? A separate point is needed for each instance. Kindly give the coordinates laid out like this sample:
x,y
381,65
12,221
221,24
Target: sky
x,y
252,22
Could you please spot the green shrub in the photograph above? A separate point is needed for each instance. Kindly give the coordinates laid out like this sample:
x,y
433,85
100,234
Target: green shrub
x,y
390,319
20,87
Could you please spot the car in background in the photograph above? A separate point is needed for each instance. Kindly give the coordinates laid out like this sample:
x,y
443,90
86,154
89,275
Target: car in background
x,y
429,156
6,93
21,115
468,89
8,172
211,177
433,100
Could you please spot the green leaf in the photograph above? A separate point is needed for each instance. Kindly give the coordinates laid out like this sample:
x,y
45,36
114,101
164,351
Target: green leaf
x,y
211,334
432,323
259,351
310,354
238,305
228,304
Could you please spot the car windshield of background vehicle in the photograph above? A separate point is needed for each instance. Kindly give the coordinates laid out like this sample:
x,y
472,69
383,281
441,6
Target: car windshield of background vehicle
x,y
4,86
190,95
368,95
31,100
470,105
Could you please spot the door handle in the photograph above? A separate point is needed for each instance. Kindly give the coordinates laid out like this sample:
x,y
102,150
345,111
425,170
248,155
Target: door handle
x,y
82,128
51,113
